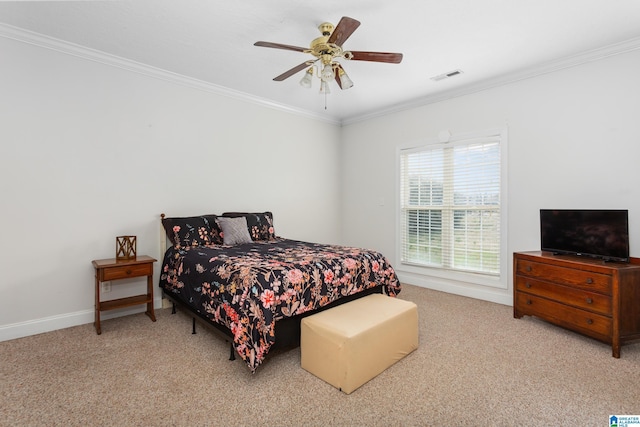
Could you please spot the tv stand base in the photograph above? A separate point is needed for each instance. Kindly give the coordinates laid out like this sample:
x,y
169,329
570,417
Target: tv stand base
x,y
597,299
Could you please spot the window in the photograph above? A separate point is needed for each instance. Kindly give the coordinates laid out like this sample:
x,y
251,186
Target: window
x,y
450,211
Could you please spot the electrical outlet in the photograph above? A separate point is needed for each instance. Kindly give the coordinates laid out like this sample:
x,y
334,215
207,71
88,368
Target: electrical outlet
x,y
106,287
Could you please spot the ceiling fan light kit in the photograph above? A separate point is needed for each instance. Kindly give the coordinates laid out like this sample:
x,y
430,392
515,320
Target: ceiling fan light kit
x,y
307,80
327,49
343,80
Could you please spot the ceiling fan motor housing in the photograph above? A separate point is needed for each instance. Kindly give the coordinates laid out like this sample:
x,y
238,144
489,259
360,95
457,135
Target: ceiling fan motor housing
x,y
322,49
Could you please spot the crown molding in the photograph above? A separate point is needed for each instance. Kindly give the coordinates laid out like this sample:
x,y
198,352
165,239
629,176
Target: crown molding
x,y
30,37
68,48
546,68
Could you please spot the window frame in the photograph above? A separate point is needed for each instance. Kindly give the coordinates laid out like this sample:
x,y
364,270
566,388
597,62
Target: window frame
x,y
449,275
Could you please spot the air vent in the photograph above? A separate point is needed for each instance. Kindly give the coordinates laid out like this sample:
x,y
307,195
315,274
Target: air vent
x,y
446,75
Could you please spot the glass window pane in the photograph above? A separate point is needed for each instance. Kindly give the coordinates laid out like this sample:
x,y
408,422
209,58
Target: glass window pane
x,y
451,203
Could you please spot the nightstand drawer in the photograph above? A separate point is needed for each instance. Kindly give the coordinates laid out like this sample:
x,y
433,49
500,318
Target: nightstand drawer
x,y
589,281
125,271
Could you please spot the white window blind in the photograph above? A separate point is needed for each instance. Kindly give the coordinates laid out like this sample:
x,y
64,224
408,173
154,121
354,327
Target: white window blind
x,y
450,206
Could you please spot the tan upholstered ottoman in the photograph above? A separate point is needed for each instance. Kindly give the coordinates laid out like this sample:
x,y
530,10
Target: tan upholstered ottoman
x,y
349,345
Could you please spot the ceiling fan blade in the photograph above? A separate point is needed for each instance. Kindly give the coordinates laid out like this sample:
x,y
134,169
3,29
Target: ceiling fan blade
x,y
392,58
280,46
337,75
291,72
343,30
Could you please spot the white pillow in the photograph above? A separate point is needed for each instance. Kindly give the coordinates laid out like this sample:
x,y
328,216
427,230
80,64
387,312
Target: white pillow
x,y
234,230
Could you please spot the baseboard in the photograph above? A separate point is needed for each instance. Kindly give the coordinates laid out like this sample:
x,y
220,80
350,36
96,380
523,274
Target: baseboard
x,y
67,320
499,296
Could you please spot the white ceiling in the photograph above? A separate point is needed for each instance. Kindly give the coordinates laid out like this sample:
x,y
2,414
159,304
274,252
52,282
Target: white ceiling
x,y
212,41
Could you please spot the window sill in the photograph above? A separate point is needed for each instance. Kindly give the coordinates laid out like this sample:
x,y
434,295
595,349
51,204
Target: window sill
x,y
492,281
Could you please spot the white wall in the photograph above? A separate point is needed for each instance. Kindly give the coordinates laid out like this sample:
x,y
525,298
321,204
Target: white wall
x,y
90,152
574,142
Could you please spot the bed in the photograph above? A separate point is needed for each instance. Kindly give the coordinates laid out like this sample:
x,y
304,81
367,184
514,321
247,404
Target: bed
x,y
233,272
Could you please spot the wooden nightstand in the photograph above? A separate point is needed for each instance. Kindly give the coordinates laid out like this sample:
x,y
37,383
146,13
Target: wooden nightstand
x,y
110,270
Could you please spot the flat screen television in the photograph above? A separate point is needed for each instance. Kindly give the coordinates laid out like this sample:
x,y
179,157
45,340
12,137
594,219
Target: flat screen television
x,y
594,233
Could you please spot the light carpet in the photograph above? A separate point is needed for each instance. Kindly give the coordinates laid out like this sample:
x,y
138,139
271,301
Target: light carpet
x,y
476,366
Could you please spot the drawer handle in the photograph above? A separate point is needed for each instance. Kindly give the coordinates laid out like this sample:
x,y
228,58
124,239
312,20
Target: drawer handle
x,y
528,268
528,302
589,301
128,271
589,281
528,285
589,321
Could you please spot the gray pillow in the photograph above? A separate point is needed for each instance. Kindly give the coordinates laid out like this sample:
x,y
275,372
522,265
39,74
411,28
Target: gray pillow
x,y
234,230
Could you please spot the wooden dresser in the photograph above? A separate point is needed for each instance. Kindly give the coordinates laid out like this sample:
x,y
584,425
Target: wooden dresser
x,y
588,296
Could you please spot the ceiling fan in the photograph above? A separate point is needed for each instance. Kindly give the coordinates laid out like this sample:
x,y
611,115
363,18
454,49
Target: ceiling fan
x,y
326,49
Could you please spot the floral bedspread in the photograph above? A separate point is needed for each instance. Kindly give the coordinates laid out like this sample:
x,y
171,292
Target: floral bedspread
x,y
249,287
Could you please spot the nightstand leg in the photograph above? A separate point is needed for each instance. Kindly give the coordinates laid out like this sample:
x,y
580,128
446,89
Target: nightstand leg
x,y
97,306
150,311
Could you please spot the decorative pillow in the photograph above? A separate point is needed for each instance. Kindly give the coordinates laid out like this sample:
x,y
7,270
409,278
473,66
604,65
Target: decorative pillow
x,y
216,231
234,230
192,231
260,224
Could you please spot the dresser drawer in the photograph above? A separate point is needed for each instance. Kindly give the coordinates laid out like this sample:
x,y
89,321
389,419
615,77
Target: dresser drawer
x,y
587,280
588,323
125,271
592,301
